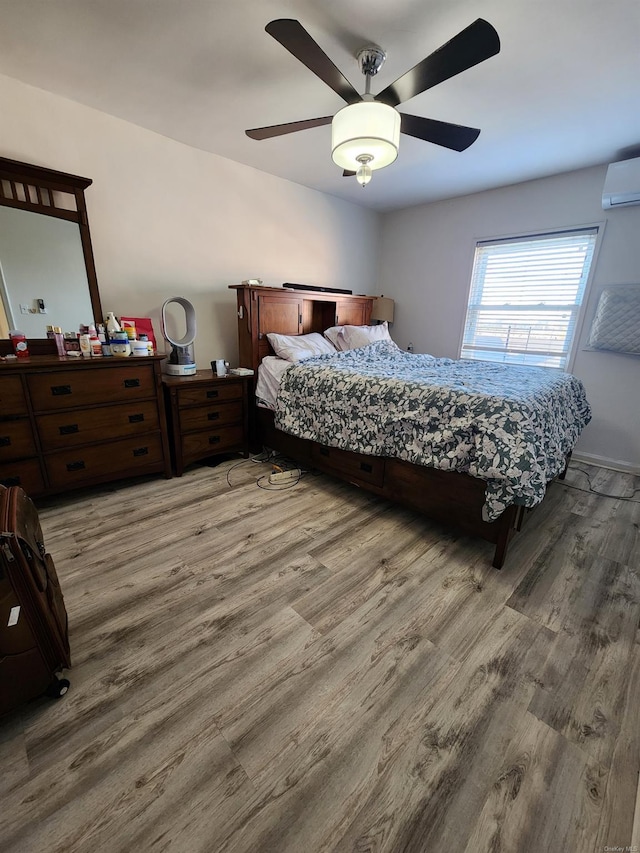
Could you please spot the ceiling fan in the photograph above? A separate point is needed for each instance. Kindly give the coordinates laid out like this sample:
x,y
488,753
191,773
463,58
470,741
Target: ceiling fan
x,y
366,133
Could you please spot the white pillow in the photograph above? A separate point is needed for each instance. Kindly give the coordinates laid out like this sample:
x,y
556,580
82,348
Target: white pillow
x,y
333,335
299,347
352,337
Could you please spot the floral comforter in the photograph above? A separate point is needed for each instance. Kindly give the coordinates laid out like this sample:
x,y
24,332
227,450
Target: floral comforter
x,y
510,426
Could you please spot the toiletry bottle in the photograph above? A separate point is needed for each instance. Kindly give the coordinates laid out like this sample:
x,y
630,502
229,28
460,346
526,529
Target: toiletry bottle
x,y
59,339
112,324
85,345
96,346
149,344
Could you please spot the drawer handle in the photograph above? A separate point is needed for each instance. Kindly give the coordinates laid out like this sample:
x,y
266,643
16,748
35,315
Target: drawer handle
x,y
75,466
213,416
67,429
131,383
324,451
214,439
140,451
136,419
211,394
11,481
59,390
365,466
5,440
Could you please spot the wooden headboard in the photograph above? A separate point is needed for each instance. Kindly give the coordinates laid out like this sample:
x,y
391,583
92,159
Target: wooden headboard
x,y
291,312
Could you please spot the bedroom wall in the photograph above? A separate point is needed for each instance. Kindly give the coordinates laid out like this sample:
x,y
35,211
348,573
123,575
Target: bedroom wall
x,y
170,220
426,259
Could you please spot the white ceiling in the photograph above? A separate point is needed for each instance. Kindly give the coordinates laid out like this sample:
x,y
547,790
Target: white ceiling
x,y
562,93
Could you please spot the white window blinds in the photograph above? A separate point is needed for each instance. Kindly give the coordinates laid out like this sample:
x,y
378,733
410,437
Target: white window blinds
x,y
525,297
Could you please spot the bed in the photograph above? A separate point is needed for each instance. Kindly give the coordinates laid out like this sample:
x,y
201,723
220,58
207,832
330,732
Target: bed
x,y
468,443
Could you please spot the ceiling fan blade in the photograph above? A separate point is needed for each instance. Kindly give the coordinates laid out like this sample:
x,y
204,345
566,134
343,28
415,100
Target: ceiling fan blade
x,y
348,173
293,36
289,127
477,42
454,136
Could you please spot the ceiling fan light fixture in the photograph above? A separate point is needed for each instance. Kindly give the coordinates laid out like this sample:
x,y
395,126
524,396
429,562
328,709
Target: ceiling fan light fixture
x,y
363,175
367,128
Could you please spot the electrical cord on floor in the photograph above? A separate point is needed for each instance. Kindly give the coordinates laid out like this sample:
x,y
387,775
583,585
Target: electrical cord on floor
x,y
629,498
263,483
278,462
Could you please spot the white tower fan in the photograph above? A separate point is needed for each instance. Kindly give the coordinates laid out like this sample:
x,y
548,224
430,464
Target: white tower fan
x,y
181,360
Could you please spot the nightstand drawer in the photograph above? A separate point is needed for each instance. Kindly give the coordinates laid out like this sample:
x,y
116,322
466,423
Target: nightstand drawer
x,y
70,429
202,394
73,466
83,387
26,474
16,440
12,400
210,417
196,444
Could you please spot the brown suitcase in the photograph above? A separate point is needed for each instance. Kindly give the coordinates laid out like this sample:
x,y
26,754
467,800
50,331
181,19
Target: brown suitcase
x,y
34,640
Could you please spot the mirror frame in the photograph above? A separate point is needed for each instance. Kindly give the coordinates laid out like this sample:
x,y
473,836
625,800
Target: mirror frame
x,y
40,190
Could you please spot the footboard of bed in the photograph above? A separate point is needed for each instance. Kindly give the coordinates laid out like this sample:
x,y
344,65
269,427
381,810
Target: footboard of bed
x,y
445,496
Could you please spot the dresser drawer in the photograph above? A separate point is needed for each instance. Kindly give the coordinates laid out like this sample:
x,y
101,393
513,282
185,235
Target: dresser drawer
x,y
70,429
208,417
12,400
356,466
196,444
201,394
16,440
26,474
123,457
82,387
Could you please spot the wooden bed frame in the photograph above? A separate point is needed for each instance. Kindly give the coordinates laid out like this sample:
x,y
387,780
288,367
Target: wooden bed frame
x,y
446,496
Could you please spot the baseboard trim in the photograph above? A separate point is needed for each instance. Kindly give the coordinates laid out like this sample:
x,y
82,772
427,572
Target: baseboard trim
x,y
604,462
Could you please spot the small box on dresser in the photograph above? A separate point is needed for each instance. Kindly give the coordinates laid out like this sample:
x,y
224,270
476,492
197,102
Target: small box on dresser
x,y
208,415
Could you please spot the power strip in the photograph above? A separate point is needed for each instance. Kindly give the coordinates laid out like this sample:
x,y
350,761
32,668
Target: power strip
x,y
277,478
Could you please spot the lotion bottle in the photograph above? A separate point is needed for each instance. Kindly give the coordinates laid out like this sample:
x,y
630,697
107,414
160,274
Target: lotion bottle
x,y
112,324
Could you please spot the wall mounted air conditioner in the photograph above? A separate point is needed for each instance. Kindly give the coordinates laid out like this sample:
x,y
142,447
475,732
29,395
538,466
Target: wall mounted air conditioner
x,y
622,184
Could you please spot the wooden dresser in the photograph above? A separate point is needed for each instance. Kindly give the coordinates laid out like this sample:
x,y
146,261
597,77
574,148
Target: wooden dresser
x,y
68,423
291,312
207,415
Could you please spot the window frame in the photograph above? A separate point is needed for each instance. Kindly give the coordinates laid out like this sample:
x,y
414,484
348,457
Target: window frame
x,y
532,234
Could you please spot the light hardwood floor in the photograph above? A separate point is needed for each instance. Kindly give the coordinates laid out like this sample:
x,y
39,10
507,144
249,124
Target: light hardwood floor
x,y
313,669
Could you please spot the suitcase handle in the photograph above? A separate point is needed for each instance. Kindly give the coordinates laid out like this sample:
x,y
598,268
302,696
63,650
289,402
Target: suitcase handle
x,y
131,383
11,481
140,451
67,429
136,419
75,466
59,390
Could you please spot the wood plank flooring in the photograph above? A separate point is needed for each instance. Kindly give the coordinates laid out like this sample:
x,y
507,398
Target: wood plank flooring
x,y
312,669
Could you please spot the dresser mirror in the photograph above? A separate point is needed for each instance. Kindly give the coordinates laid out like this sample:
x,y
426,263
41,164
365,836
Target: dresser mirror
x,y
47,271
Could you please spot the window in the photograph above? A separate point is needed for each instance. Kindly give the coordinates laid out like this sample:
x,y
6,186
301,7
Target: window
x,y
525,296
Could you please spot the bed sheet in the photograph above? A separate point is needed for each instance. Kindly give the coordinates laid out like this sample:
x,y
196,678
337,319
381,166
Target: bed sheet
x,y
270,373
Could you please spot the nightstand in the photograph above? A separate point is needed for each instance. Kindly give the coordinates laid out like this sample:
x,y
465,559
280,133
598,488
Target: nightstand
x,y
207,415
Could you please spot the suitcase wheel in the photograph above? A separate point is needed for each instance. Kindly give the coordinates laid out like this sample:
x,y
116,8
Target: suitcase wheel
x,y
58,687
